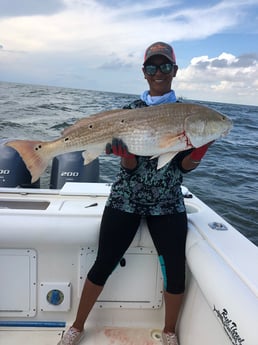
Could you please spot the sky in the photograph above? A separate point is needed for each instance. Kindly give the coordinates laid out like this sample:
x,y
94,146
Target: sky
x,y
100,44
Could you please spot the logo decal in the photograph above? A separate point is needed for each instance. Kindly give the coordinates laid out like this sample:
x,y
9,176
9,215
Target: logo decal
x,y
230,326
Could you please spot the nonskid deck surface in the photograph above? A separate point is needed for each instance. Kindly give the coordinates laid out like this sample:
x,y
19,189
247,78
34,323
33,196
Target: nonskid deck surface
x,y
101,336
29,336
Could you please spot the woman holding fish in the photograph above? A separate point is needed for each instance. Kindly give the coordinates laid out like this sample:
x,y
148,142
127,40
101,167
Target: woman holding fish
x,y
142,190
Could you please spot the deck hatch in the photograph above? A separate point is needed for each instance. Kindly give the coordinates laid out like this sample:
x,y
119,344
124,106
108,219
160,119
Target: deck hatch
x,y
145,290
18,287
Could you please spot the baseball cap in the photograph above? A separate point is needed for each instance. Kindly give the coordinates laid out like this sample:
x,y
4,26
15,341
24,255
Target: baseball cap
x,y
160,48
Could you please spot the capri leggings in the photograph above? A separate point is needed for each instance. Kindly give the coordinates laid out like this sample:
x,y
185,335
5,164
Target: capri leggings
x,y
117,231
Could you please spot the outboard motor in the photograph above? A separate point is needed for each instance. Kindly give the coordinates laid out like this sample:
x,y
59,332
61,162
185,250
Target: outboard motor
x,y
13,171
69,167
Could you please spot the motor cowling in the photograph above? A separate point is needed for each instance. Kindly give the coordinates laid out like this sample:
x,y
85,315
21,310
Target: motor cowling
x,y
69,167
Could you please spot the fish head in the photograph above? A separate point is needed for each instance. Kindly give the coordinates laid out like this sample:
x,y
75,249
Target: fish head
x,y
206,126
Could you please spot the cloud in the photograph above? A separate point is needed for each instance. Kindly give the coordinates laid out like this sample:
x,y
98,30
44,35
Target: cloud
x,y
99,44
89,24
225,60
230,61
114,64
30,7
226,78
246,60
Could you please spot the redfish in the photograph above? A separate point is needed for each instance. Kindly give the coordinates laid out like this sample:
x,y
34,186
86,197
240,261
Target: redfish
x,y
158,131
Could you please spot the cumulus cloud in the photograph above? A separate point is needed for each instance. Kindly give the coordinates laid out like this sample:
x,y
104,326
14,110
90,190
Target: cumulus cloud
x,y
227,76
225,60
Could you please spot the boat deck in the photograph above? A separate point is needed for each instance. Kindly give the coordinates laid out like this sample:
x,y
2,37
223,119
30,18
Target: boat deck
x,y
101,336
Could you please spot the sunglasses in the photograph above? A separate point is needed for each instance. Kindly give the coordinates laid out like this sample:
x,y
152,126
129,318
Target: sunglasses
x,y
165,68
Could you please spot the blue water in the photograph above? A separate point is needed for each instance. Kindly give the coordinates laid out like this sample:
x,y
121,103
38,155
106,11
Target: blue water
x,y
227,179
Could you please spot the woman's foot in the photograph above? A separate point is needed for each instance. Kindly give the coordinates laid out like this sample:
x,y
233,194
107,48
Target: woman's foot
x,y
72,337
169,339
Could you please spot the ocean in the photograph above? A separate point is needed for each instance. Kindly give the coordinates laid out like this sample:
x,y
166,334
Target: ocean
x,y
226,180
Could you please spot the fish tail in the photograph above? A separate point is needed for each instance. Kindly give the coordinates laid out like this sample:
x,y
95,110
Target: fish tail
x,y
33,154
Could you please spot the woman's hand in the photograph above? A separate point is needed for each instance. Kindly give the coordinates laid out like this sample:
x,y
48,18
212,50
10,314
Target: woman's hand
x,y
191,161
119,148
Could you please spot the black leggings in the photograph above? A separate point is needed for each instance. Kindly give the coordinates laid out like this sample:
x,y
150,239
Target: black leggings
x,y
117,231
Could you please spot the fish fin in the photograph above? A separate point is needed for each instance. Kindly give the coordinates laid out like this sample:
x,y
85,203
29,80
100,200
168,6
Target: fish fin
x,y
165,158
170,139
155,156
92,153
33,156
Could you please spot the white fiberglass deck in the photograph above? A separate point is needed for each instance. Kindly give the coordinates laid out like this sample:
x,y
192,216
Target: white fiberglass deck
x,y
101,336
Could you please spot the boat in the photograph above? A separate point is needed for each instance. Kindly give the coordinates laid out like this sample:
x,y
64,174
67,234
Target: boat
x,y
48,242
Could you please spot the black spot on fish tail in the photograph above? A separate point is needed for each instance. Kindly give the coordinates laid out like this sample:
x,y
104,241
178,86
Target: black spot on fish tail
x,y
38,147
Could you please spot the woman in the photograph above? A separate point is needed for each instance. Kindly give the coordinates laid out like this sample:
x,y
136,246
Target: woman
x,y
142,190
